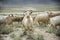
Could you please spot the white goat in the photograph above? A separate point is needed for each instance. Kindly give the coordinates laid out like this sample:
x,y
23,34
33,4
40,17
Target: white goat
x,y
27,21
55,21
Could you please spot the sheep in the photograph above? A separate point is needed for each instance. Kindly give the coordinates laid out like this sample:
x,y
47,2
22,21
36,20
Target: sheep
x,y
55,21
27,21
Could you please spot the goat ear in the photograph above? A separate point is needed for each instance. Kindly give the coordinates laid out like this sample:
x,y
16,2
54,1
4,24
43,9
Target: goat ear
x,y
30,12
24,13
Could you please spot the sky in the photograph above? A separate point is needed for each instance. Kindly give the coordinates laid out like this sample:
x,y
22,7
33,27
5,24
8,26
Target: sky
x,y
28,2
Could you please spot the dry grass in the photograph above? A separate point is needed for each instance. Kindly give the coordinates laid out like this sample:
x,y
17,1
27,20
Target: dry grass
x,y
40,32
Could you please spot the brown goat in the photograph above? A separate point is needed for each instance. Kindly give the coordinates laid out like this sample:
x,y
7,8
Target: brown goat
x,y
8,20
18,19
42,18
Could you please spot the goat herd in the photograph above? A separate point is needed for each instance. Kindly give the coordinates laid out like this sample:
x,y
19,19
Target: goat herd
x,y
53,19
49,18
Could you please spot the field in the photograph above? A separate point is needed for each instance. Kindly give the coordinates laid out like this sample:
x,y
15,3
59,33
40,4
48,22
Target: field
x,y
38,8
41,32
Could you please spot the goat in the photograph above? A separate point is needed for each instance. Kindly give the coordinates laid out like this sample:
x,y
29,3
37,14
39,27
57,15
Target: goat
x,y
27,21
8,20
55,21
42,18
